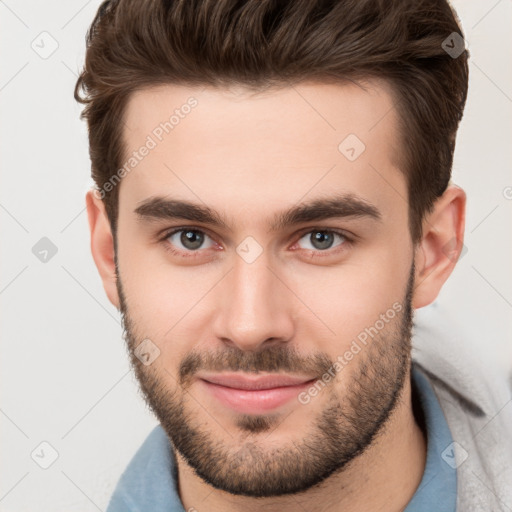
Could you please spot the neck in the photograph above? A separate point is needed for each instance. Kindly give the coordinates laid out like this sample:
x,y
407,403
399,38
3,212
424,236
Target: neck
x,y
383,478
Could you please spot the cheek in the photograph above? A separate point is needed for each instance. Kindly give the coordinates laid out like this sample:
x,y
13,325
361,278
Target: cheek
x,y
167,306
164,307
158,293
343,301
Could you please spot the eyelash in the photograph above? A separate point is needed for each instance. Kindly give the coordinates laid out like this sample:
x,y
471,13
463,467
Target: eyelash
x,y
348,240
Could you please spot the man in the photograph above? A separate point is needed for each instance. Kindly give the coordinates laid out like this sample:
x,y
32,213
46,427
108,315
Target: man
x,y
272,203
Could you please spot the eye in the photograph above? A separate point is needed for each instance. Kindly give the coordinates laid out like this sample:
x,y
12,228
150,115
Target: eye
x,y
323,239
188,240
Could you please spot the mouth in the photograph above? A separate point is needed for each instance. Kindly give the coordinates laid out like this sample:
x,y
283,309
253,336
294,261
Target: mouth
x,y
254,394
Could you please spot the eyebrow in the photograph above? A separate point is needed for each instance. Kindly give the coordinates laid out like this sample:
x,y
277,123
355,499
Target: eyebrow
x,y
339,206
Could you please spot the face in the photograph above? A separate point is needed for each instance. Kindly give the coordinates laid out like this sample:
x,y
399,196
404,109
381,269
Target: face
x,y
265,275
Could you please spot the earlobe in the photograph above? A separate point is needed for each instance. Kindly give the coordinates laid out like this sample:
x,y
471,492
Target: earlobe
x,y
102,245
441,245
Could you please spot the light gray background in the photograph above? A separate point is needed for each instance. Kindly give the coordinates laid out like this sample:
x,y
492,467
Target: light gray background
x,y
64,372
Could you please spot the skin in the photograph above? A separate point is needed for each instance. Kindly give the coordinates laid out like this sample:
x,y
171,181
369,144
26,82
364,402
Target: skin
x,y
249,156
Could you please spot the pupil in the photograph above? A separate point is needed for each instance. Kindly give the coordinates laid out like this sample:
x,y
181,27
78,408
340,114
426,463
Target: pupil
x,y
319,240
191,239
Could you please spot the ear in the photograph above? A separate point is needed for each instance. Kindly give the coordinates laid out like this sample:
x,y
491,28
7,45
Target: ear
x,y
441,245
102,245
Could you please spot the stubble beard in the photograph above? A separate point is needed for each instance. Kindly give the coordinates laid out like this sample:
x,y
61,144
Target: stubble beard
x,y
242,464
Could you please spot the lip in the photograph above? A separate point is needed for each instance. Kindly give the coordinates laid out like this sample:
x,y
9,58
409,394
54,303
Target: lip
x,y
254,394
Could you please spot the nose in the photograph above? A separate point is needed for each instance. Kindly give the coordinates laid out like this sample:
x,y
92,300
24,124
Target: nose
x,y
254,306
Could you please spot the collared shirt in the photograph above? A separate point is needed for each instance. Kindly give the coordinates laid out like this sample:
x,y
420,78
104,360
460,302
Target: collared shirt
x,y
438,487
149,483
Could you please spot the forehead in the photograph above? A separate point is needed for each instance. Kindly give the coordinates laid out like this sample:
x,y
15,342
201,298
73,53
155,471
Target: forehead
x,y
244,151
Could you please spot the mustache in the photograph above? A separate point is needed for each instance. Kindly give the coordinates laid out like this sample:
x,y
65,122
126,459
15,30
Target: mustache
x,y
272,359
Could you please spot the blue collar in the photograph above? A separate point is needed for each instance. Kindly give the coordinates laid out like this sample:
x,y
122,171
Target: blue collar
x,y
149,481
438,486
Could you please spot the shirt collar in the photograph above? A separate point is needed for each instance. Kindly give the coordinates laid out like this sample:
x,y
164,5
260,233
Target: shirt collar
x,y
438,486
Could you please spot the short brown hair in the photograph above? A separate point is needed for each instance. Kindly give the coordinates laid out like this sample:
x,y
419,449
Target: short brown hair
x,y
134,44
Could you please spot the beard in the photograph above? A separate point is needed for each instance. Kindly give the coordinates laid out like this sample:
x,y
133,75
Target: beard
x,y
342,431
